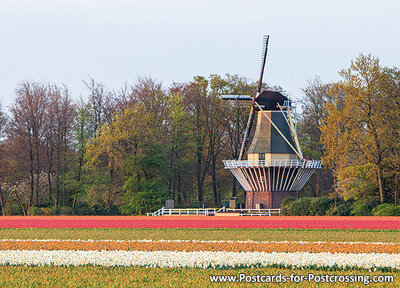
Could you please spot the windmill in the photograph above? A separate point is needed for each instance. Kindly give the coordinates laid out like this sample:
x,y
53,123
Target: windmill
x,y
275,167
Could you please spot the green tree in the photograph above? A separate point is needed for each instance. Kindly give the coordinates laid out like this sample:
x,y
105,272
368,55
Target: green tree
x,y
179,135
196,98
131,130
146,184
82,132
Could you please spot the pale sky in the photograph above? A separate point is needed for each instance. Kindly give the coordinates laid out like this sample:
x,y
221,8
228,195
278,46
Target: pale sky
x,y
113,41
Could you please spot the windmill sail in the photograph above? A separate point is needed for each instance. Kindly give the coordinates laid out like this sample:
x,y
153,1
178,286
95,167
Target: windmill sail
x,y
263,60
236,97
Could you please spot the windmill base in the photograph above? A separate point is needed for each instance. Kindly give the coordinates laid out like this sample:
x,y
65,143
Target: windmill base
x,y
266,199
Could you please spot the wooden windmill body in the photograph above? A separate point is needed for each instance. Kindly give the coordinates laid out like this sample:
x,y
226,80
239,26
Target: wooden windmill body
x,y
275,167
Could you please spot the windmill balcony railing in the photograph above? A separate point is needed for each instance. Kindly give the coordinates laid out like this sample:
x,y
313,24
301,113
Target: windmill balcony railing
x,y
229,164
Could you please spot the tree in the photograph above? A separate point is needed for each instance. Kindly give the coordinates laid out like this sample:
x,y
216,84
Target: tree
x,y
357,128
101,101
59,116
3,162
196,100
234,118
145,187
26,131
82,132
391,87
316,95
124,137
179,134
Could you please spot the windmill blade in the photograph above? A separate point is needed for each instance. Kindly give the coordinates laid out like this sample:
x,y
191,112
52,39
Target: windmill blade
x,y
249,121
236,97
263,59
247,131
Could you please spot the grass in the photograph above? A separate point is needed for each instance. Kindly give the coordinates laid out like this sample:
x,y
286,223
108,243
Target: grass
x,y
95,276
204,234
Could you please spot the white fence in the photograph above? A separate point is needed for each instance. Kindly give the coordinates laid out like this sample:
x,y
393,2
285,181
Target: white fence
x,y
255,212
213,211
186,211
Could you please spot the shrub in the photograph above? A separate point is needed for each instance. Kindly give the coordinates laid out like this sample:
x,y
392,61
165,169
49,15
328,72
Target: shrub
x,y
340,209
285,205
13,209
47,211
372,202
386,209
34,211
359,208
287,200
197,205
319,206
99,209
297,207
113,210
83,209
64,211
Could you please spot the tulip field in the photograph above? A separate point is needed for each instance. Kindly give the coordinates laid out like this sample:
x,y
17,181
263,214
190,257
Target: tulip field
x,y
276,222
171,251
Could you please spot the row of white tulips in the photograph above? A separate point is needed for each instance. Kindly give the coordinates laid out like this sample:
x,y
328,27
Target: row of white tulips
x,y
175,259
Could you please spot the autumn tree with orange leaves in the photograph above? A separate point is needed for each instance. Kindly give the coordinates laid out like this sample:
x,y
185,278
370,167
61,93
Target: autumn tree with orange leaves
x,y
361,123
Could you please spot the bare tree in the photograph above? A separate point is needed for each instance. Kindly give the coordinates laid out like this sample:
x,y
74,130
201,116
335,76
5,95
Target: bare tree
x,y
3,164
60,117
102,103
316,96
26,129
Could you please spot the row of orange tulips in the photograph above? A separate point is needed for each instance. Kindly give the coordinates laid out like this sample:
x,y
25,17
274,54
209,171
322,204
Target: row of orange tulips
x,y
228,246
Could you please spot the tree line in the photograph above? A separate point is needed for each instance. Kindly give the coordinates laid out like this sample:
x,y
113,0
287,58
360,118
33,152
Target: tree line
x,y
126,151
122,151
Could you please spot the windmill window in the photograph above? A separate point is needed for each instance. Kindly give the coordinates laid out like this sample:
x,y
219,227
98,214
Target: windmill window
x,y
261,156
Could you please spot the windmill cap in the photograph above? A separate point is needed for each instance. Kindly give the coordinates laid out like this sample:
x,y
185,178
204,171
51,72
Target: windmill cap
x,y
270,100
